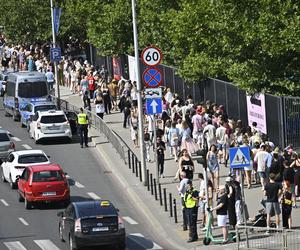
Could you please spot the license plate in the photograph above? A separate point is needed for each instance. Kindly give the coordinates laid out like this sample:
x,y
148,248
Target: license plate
x,y
53,127
100,229
49,193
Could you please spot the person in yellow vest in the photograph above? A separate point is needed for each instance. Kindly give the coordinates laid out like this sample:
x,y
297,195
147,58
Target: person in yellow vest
x,y
83,123
191,197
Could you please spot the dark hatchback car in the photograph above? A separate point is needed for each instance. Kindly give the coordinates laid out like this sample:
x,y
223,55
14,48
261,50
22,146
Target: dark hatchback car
x,y
92,223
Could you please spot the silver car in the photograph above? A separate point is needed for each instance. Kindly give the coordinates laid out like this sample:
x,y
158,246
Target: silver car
x,y
6,145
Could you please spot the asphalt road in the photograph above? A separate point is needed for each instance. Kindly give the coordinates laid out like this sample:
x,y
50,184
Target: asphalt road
x,y
22,229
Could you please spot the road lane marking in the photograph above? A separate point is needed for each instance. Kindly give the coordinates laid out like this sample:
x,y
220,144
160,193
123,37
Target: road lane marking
x,y
23,221
26,146
16,139
46,244
14,245
94,196
130,220
79,185
4,202
155,246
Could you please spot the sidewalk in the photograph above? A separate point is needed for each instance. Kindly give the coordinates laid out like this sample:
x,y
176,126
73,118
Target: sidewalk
x,y
174,231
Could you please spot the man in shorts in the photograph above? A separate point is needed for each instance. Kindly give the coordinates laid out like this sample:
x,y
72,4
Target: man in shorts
x,y
272,191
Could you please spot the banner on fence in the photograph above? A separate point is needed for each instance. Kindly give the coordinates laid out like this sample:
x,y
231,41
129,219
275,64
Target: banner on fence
x,y
117,69
132,69
256,110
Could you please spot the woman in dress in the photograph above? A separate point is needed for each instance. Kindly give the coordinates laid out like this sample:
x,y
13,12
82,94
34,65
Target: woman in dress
x,y
186,139
174,139
186,164
213,165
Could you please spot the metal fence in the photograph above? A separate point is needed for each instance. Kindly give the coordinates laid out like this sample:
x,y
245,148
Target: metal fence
x,y
255,238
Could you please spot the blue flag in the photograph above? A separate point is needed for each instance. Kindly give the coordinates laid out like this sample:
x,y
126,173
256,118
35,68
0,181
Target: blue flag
x,y
56,15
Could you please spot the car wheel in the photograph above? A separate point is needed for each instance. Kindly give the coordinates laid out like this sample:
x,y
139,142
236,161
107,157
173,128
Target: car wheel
x,y
21,199
12,184
28,204
71,243
65,203
60,233
2,177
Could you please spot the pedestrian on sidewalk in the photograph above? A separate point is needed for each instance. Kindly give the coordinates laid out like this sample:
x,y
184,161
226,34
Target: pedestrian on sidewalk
x,y
134,129
230,191
213,165
86,101
186,164
126,111
182,190
106,99
191,197
261,160
99,106
289,176
174,138
147,144
83,123
160,150
286,206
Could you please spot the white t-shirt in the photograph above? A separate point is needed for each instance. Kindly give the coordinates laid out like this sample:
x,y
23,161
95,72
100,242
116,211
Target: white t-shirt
x,y
150,121
99,108
221,135
197,122
261,159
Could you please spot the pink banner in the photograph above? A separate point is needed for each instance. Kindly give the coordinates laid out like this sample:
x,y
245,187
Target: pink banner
x,y
257,111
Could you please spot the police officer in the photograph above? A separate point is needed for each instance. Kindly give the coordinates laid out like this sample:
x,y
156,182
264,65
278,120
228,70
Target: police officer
x,y
191,208
83,122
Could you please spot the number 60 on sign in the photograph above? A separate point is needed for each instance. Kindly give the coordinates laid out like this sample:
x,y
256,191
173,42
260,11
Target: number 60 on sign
x,y
151,56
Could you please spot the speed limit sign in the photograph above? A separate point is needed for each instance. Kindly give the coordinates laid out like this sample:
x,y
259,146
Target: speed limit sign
x,y
151,56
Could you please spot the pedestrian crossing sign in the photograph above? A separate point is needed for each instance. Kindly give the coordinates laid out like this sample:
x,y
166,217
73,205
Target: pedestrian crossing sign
x,y
239,157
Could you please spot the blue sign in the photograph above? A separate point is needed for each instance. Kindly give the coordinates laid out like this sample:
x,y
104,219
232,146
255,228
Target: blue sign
x,y
55,54
56,16
239,157
152,77
153,106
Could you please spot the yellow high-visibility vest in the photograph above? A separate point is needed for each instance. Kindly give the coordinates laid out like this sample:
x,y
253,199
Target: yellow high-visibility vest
x,y
188,199
82,119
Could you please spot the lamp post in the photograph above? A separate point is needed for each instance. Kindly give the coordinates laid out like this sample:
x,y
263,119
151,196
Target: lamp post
x,y
55,63
139,94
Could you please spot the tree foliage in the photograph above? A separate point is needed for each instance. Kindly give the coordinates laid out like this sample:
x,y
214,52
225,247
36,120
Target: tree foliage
x,y
254,43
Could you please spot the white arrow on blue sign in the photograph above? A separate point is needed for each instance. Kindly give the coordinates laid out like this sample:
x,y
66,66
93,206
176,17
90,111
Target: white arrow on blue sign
x,y
153,106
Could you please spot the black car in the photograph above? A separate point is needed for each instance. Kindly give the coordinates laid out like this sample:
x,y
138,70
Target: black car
x,y
92,223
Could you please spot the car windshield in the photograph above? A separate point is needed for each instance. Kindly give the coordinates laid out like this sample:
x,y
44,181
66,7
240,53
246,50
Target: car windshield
x,y
32,89
4,137
53,119
44,108
34,158
46,176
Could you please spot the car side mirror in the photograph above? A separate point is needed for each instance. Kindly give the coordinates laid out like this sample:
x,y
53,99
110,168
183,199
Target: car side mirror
x,y
48,156
118,210
60,214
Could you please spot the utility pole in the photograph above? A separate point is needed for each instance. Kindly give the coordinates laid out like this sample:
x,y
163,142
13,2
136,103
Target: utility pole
x,y
139,94
55,63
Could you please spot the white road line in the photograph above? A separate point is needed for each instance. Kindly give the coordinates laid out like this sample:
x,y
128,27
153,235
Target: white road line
x,y
46,244
155,246
23,221
14,245
16,139
4,202
94,196
130,220
26,146
79,185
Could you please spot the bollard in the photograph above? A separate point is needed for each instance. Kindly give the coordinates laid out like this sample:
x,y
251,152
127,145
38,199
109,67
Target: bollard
x,y
140,171
136,167
155,189
129,159
148,180
151,183
175,211
160,196
132,160
170,204
165,200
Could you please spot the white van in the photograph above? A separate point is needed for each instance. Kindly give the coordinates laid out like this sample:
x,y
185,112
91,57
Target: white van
x,y
22,87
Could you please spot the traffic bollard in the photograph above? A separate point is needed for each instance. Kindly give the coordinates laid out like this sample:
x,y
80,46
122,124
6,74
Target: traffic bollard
x,y
132,159
175,211
129,159
170,204
155,189
160,196
151,183
136,167
140,171
148,180
165,200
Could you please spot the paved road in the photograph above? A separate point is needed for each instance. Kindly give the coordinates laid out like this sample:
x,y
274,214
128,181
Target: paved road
x,y
22,229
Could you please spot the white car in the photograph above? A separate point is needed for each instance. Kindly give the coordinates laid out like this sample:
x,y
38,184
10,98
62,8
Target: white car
x,y
17,161
49,124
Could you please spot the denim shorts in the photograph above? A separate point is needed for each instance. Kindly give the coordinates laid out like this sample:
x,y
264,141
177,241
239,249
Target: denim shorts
x,y
262,174
273,206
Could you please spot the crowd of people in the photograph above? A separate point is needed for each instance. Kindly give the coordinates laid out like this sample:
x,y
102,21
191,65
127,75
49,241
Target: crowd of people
x,y
186,127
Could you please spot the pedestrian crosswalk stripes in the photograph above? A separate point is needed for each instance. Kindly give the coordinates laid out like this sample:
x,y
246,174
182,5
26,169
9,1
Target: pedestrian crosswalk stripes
x,y
14,245
46,244
135,237
130,220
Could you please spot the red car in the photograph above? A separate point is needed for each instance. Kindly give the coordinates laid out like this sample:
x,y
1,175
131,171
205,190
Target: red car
x,y
43,183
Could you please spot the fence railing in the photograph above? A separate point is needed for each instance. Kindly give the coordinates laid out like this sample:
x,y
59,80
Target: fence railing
x,y
257,238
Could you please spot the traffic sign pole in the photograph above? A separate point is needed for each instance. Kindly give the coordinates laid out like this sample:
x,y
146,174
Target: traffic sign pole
x,y
155,148
55,63
139,94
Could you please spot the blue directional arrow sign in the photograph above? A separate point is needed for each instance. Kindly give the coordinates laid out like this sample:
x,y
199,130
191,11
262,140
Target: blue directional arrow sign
x,y
55,54
153,106
239,157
